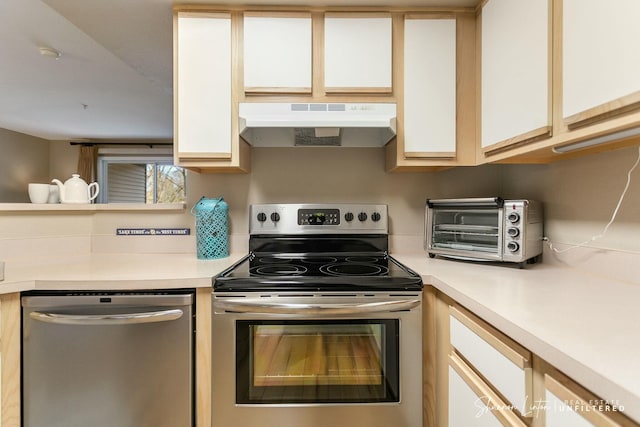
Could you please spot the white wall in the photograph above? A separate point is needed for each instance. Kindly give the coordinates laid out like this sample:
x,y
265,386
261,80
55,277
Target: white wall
x,y
23,159
63,160
580,196
333,175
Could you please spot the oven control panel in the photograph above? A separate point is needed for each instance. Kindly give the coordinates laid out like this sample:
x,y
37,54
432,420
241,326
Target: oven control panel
x,y
318,218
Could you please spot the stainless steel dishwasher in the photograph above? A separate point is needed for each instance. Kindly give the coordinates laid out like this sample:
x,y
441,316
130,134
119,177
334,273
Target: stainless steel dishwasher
x,y
107,360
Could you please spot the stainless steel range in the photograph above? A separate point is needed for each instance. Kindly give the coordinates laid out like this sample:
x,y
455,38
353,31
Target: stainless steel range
x,y
318,324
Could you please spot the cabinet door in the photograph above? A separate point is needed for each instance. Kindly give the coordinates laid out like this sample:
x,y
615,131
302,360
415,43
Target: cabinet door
x,y
357,53
515,72
277,53
472,403
504,363
601,58
203,86
429,87
567,405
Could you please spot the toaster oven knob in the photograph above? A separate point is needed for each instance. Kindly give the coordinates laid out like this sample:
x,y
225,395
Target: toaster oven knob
x,y
348,216
275,217
513,231
375,216
513,217
262,217
362,216
513,246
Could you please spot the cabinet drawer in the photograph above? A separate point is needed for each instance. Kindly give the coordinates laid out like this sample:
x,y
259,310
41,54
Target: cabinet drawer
x,y
473,403
567,404
501,361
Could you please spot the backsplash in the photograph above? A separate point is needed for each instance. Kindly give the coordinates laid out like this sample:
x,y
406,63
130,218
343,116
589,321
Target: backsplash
x,y
579,196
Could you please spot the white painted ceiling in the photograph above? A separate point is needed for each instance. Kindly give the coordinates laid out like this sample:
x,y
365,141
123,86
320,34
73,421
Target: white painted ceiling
x,y
114,78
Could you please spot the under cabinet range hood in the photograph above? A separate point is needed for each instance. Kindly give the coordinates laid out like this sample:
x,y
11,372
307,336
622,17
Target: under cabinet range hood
x,y
269,124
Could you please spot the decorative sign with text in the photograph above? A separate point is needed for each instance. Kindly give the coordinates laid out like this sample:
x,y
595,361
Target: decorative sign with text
x,y
153,231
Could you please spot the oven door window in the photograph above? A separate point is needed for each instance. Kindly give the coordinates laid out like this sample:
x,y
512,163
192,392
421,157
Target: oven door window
x,y
472,229
317,361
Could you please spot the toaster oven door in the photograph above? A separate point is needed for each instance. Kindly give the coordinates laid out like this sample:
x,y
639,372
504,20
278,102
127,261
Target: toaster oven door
x,y
474,232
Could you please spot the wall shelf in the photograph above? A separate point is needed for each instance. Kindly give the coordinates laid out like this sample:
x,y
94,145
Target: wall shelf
x,y
91,208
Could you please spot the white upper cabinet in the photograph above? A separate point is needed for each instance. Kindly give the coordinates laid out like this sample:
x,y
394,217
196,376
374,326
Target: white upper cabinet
x,y
601,57
515,87
429,87
277,53
357,53
203,91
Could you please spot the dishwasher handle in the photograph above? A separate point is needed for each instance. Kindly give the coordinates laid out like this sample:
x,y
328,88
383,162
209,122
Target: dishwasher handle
x,y
108,319
259,307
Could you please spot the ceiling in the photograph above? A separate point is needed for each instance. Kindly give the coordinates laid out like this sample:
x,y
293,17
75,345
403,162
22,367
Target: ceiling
x,y
113,79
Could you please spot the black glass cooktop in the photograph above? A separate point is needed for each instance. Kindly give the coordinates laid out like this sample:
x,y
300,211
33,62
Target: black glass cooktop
x,y
317,271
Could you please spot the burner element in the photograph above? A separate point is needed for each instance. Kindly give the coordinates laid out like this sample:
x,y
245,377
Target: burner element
x,y
278,270
353,269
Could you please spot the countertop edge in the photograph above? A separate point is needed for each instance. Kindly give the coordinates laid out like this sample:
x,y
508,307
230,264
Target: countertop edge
x,y
600,385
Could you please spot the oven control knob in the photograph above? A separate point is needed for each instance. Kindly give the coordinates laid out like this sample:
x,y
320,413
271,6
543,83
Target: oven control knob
x,y
348,216
362,216
275,217
513,232
375,217
513,246
262,217
513,217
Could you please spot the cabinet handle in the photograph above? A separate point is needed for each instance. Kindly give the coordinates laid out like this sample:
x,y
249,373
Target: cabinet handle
x,y
513,351
107,319
483,390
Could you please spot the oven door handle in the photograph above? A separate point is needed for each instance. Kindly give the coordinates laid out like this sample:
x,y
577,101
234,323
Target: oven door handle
x,y
107,319
260,307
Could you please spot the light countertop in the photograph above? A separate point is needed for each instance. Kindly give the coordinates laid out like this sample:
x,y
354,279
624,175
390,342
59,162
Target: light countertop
x,y
584,324
113,271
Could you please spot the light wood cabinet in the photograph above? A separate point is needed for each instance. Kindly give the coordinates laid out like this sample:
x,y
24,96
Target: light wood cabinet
x,y
484,378
10,342
472,402
435,91
277,53
515,73
205,114
504,386
429,87
569,404
357,53
600,59
591,86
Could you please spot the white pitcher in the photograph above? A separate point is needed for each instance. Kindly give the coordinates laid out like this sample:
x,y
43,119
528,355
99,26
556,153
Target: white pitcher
x,y
76,190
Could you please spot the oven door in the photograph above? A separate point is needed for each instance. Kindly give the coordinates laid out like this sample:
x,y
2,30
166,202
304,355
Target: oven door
x,y
467,230
317,361
288,356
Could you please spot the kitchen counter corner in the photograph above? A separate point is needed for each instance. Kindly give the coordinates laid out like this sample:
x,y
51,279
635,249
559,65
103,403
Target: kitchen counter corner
x,y
583,324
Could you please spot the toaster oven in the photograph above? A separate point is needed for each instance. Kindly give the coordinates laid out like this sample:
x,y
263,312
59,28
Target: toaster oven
x,y
487,229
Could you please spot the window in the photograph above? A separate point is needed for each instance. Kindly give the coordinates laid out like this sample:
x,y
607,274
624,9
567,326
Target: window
x,y
133,176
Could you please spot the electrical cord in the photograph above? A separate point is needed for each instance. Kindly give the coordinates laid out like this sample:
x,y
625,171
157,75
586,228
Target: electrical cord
x,y
606,227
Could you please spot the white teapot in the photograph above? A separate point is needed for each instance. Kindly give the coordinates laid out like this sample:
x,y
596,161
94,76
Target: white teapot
x,y
76,190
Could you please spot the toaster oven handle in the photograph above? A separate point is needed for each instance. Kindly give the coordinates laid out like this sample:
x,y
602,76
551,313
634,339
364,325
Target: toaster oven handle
x,y
260,307
494,202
